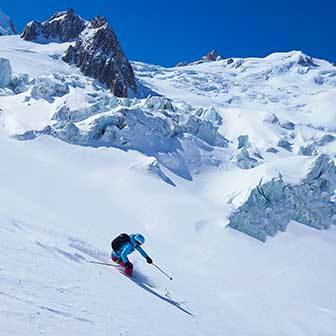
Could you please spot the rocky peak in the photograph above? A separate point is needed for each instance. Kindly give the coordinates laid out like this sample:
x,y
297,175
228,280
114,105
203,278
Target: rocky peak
x,y
66,14
61,27
98,22
6,25
98,54
211,56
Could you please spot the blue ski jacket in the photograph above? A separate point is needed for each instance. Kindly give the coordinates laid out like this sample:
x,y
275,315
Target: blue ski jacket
x,y
129,248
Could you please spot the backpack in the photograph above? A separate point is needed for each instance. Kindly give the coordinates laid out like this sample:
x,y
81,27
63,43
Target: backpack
x,y
121,240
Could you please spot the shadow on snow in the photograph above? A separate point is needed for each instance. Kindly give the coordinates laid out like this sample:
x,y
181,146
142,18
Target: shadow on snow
x,y
143,282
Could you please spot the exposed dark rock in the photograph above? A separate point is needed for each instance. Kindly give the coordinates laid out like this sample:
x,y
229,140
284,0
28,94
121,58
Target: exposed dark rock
x,y
97,51
306,61
61,27
181,64
98,54
212,56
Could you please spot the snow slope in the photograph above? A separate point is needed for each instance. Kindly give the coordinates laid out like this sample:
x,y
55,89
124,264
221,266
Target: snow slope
x,y
89,166
34,59
60,206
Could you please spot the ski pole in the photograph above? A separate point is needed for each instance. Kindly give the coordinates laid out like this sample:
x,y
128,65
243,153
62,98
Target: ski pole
x,y
169,277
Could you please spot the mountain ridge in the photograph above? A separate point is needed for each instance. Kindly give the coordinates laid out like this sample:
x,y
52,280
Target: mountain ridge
x,y
6,25
97,52
227,167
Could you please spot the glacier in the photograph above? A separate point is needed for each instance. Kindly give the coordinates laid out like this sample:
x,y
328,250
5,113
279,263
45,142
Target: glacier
x,y
226,166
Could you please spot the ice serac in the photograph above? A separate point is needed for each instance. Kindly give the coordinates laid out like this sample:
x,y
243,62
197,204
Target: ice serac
x,y
5,72
98,54
6,25
61,27
271,205
48,88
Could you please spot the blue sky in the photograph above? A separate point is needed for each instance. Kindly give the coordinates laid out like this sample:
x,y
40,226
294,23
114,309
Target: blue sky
x,y
166,32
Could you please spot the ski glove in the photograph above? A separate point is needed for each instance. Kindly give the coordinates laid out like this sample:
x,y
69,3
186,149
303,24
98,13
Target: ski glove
x,y
149,260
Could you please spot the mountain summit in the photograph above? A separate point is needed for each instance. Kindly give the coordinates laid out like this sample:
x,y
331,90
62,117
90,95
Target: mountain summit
x,y
211,56
97,52
6,25
61,27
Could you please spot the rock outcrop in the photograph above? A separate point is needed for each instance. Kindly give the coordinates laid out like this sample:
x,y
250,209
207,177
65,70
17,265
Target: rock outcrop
x,y
61,27
212,56
98,54
6,25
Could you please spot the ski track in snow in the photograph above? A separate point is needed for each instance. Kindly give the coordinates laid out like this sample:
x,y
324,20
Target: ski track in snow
x,y
46,277
69,251
61,203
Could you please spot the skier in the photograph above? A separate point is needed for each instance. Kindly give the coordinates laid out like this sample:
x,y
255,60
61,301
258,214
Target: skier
x,y
124,245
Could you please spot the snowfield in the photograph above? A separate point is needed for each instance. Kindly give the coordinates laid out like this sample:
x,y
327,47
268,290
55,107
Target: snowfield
x,y
220,147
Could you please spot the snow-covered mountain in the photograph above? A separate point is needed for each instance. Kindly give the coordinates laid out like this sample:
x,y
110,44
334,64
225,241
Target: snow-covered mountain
x,y
6,25
97,52
204,159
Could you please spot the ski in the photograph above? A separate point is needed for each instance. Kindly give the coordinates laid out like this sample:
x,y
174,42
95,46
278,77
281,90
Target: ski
x,y
104,263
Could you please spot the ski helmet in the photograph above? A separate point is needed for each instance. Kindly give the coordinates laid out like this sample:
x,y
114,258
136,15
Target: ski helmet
x,y
140,239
